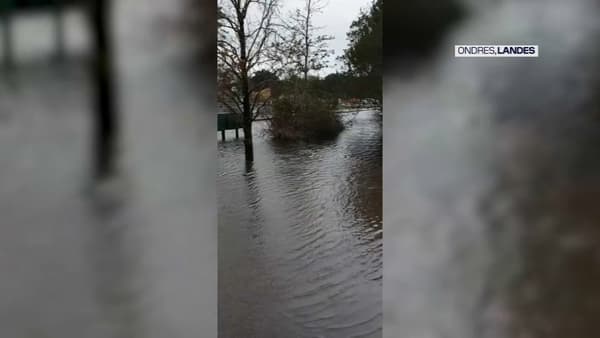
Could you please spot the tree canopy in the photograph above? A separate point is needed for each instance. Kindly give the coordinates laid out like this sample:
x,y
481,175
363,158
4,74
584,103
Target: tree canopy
x,y
363,57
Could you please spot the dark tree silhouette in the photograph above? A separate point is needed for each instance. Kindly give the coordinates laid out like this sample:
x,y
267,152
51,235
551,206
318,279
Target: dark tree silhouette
x,y
245,29
364,55
264,79
418,26
105,126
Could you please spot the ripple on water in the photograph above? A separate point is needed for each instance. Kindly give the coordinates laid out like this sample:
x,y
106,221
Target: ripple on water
x,y
318,208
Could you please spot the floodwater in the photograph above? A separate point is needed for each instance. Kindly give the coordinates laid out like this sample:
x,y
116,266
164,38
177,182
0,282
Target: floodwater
x,y
300,235
492,173
134,256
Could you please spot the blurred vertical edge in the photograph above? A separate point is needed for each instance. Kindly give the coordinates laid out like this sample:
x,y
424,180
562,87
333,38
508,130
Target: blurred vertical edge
x,y
206,26
203,18
413,30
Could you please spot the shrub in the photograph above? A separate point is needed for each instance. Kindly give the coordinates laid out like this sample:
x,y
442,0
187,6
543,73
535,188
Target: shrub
x,y
304,117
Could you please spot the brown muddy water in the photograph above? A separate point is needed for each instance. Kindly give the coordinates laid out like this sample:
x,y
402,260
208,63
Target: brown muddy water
x,y
300,235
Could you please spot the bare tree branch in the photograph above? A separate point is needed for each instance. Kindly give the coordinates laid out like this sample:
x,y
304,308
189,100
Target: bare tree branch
x,y
245,45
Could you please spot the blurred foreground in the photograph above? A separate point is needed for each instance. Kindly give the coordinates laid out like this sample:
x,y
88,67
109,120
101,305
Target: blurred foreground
x,y
134,256
492,178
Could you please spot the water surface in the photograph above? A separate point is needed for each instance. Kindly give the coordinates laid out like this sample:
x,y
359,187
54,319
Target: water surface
x,y
300,235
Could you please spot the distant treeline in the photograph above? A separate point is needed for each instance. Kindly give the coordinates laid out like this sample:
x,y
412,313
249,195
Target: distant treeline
x,y
335,85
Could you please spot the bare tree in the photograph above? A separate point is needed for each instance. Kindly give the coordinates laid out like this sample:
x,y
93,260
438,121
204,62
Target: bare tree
x,y
245,30
306,47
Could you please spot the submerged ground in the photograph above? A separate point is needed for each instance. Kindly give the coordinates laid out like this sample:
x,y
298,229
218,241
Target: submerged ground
x,y
300,235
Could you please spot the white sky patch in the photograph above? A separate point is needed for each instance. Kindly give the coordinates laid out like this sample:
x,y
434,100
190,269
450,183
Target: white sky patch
x,y
335,20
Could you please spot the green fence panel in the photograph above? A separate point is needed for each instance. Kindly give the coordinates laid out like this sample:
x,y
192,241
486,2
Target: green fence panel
x,y
227,121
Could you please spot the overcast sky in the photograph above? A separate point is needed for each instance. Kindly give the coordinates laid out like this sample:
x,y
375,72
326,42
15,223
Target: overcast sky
x,y
335,20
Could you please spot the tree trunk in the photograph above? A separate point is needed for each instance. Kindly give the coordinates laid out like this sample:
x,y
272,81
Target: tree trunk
x,y
306,38
248,146
105,126
246,108
247,118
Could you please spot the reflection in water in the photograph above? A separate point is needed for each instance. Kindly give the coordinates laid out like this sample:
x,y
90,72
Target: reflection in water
x,y
492,174
115,259
300,236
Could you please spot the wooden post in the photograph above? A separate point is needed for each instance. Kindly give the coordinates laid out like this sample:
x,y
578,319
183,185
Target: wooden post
x,y
105,126
237,133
